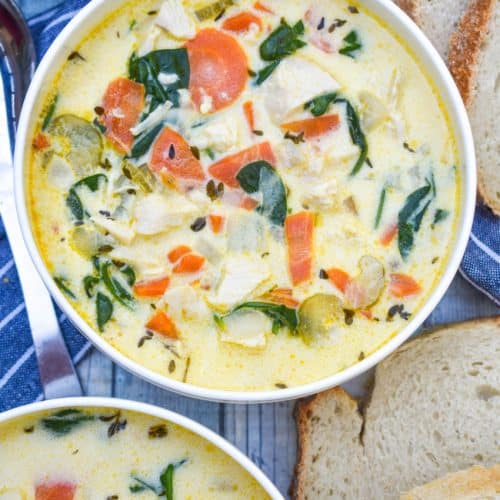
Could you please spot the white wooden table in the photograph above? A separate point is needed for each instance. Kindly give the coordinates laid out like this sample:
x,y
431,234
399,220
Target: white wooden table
x,y
266,433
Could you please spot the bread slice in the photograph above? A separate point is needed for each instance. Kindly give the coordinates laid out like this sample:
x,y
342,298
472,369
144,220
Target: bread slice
x,y
434,409
476,483
474,61
437,19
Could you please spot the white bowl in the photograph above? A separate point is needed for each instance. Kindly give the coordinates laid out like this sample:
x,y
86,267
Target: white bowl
x,y
401,24
154,411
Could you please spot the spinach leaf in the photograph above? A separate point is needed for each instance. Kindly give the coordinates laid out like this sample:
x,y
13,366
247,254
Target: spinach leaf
x,y
411,215
50,112
91,182
64,421
141,485
128,272
117,290
352,43
167,481
146,69
99,126
380,207
261,177
62,284
357,136
439,216
89,283
75,205
282,42
143,142
319,105
104,310
281,315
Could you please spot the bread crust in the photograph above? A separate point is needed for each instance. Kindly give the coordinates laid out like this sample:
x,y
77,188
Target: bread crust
x,y
463,59
306,407
302,413
411,7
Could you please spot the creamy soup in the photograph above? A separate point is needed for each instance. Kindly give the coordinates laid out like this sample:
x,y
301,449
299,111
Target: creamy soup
x,y
110,454
244,197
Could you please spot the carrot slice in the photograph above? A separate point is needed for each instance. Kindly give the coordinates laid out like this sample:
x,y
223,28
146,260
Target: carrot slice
x,y
283,296
41,141
313,127
299,236
241,23
339,278
388,235
249,115
402,285
163,324
55,490
219,68
173,153
216,223
175,254
189,263
152,288
262,8
123,103
225,170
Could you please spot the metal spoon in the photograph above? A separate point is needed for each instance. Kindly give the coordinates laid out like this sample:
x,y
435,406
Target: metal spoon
x,y
17,56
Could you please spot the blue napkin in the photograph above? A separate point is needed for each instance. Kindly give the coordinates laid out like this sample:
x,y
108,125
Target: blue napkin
x,y
19,381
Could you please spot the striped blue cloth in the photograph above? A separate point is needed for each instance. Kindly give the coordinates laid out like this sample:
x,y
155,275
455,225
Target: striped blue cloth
x,y
19,382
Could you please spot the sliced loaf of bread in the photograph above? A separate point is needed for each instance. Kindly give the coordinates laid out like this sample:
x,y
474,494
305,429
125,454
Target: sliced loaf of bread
x,y
434,409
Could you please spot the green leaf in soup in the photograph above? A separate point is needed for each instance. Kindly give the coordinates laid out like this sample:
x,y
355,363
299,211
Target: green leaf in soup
x,y
352,44
319,105
50,112
266,72
280,314
129,273
117,290
89,283
261,177
104,310
405,239
143,142
141,485
64,421
62,284
92,182
380,208
440,215
417,220
282,42
146,69
167,481
75,205
212,10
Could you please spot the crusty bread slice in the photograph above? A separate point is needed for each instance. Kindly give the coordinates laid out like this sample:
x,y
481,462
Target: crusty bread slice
x,y
476,483
474,61
437,19
434,409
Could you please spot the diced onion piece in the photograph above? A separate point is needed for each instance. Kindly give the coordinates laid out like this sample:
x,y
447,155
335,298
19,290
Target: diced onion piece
x,y
365,289
246,328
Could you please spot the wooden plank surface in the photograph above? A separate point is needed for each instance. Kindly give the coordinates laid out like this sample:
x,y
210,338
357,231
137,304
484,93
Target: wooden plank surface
x,y
266,433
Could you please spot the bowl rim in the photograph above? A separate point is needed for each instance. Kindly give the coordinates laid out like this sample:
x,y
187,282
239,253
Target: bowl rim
x,y
155,411
429,58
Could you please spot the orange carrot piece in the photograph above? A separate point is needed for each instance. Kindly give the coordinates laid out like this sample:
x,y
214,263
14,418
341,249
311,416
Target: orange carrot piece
x,y
283,296
55,490
163,324
313,127
299,229
366,313
216,222
151,288
249,114
225,170
189,263
388,235
339,278
402,285
240,23
41,141
123,103
173,153
262,8
175,254
219,68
